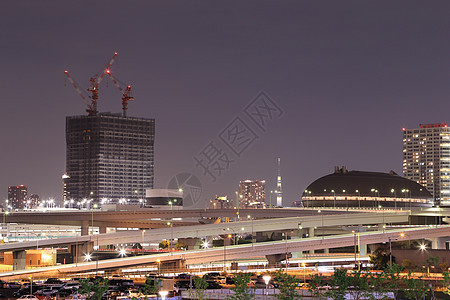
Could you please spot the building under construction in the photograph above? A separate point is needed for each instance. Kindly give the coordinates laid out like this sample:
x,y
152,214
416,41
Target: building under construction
x,y
109,157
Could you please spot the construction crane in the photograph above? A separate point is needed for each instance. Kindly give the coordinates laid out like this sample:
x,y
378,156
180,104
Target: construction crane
x,y
95,82
90,108
93,88
126,94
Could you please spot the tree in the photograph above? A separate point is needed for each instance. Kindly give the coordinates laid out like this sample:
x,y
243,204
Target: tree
x,y
93,289
377,286
200,285
407,264
314,285
287,285
181,246
446,282
392,279
242,289
164,244
151,286
415,287
432,264
360,283
380,257
340,282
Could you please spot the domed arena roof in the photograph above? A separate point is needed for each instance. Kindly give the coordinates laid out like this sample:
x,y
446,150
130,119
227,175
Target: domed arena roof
x,y
366,184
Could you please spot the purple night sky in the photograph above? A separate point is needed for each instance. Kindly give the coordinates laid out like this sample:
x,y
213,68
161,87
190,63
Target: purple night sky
x,y
347,74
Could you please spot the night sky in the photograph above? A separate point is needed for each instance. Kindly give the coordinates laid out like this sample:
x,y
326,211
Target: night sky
x,y
347,76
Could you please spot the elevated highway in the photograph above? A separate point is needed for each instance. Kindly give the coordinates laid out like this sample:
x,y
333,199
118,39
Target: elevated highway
x,y
248,250
157,218
319,219
153,218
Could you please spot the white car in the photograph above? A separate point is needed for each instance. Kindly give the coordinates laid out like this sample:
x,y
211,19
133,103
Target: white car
x,y
28,297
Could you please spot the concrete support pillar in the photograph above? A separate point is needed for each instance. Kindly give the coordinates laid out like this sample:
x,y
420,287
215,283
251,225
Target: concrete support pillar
x,y
438,243
326,250
19,260
275,259
85,227
78,251
172,266
381,226
363,250
261,237
191,243
227,241
298,254
102,229
311,234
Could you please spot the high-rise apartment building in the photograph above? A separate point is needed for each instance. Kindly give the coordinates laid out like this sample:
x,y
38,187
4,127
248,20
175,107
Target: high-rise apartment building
x,y
426,159
220,203
33,201
252,194
109,157
17,197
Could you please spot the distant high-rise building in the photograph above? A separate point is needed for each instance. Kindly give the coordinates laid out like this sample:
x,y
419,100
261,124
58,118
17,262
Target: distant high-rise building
x,y
17,197
109,157
252,194
33,201
426,159
278,190
220,202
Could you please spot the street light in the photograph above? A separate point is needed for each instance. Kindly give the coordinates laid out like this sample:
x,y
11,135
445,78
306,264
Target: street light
x,y
92,216
394,194
334,198
171,227
250,217
5,213
304,272
355,245
402,234
142,245
267,280
163,294
159,265
225,252
359,198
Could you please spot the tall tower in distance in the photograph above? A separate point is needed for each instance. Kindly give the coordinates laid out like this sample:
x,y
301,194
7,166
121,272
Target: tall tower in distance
x,y
278,190
426,159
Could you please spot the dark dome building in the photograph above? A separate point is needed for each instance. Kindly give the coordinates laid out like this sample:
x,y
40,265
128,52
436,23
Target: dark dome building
x,y
365,189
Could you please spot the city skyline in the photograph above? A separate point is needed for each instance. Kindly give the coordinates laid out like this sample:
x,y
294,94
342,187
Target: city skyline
x,y
347,76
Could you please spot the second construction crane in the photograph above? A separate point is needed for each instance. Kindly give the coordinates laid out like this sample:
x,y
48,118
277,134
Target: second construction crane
x,y
93,87
126,93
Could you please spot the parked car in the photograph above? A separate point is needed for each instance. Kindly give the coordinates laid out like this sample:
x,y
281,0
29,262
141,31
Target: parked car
x,y
28,297
27,291
41,296
213,285
71,285
182,276
13,285
215,276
